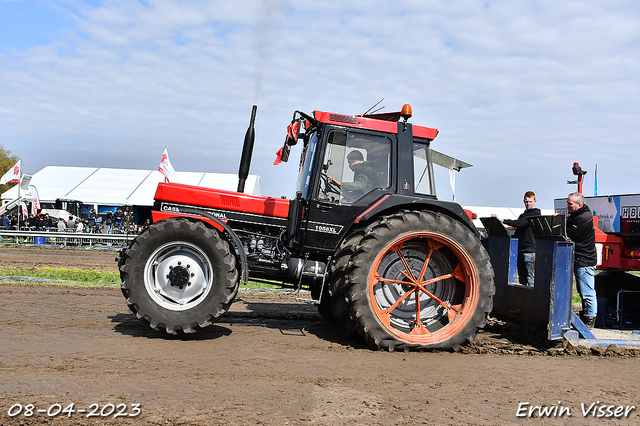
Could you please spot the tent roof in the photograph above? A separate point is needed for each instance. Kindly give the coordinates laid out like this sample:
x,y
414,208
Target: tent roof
x,y
117,187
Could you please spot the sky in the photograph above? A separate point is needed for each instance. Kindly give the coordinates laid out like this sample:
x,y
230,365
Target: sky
x,y
519,89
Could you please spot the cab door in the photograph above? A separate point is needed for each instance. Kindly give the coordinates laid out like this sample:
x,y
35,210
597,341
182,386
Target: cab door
x,y
352,173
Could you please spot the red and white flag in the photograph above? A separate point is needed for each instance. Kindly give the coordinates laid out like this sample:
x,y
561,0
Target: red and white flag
x,y
25,212
165,167
35,200
12,175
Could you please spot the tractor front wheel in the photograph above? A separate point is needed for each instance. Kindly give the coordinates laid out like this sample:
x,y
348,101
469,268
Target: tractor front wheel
x,y
179,276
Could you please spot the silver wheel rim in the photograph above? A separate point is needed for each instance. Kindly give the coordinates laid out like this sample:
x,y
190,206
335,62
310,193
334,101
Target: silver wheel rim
x,y
178,276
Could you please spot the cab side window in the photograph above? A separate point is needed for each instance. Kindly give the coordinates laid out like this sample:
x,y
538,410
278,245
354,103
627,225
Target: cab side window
x,y
422,173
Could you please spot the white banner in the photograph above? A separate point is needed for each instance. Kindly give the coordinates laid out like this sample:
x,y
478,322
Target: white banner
x,y
35,200
25,212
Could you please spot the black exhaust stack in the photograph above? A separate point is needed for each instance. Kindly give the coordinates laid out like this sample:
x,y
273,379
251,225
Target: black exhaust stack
x,y
247,151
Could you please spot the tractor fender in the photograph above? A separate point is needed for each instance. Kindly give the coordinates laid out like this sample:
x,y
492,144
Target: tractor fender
x,y
221,226
393,203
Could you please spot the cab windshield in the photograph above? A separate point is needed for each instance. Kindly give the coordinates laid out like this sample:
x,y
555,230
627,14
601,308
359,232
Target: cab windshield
x,y
306,166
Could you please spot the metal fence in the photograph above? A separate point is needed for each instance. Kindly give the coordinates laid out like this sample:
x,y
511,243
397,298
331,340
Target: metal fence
x,y
66,239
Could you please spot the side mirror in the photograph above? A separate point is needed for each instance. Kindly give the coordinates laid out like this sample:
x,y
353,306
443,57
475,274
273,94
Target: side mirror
x,y
282,156
293,131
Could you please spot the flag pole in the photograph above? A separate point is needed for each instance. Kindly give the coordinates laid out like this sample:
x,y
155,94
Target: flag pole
x,y
19,201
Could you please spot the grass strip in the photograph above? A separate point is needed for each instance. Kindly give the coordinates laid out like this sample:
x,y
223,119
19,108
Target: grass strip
x,y
77,275
81,277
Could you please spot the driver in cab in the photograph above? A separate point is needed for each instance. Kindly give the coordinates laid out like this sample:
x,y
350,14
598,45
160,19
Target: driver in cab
x,y
362,170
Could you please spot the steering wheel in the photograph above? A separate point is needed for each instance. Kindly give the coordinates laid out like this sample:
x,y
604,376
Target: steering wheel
x,y
329,185
333,185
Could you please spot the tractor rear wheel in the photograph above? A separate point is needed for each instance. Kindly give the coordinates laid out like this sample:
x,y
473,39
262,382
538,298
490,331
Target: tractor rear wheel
x,y
338,283
179,276
415,280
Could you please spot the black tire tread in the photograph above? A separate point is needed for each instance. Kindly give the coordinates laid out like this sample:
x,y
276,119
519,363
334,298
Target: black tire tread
x,y
133,258
351,270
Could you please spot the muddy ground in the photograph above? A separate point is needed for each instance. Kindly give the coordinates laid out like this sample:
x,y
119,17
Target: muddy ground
x,y
273,361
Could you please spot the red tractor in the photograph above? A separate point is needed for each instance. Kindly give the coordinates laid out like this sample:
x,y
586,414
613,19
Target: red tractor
x,y
382,256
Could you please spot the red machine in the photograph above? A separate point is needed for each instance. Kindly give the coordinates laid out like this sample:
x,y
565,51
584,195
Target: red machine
x,y
617,222
617,229
384,258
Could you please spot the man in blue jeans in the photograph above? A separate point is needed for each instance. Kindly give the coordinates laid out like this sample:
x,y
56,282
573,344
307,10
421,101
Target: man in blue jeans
x,y
580,231
526,241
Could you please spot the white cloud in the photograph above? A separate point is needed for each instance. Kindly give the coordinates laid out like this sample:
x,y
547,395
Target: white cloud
x,y
521,90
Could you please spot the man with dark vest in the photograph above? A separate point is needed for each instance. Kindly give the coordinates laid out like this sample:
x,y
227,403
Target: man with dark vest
x,y
526,241
580,231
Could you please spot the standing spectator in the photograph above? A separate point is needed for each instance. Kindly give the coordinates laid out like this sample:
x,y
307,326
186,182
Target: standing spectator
x,y
62,226
127,221
118,217
109,221
526,241
98,226
6,221
31,223
580,231
80,226
91,218
71,224
24,222
46,222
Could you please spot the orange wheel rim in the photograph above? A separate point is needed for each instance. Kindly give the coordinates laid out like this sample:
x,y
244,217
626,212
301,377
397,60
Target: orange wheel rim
x,y
423,287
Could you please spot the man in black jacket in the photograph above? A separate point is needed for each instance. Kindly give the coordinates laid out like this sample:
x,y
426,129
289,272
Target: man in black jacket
x,y
580,231
526,242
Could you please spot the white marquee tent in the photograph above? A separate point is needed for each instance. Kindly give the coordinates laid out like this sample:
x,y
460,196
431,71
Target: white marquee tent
x,y
119,187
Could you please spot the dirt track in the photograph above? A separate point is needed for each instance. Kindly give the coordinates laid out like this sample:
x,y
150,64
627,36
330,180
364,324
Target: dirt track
x,y
274,361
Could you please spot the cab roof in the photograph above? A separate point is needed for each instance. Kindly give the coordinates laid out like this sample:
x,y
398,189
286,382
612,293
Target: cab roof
x,y
383,122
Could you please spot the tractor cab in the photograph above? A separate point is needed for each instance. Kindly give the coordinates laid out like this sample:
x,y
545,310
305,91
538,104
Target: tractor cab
x,y
349,164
